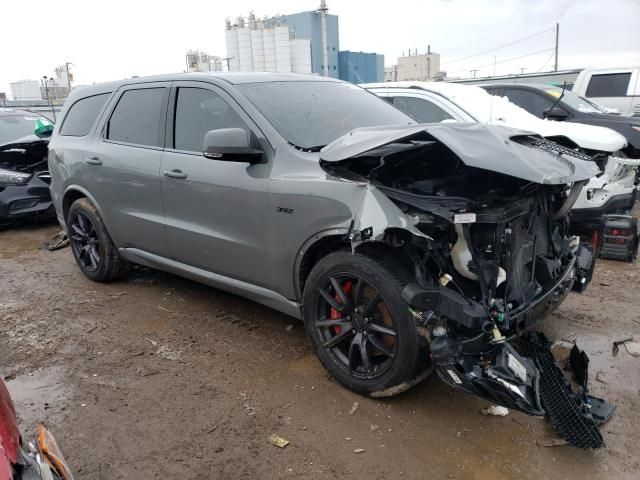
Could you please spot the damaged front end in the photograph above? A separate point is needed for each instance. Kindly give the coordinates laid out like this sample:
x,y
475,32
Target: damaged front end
x,y
482,214
24,180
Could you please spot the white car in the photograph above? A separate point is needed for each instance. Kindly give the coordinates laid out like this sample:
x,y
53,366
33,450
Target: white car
x,y
613,191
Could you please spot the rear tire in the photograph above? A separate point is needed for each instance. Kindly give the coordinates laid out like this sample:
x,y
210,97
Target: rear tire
x,y
92,247
395,356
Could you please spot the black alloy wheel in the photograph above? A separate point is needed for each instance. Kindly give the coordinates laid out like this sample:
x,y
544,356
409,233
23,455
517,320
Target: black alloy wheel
x,y
356,326
84,242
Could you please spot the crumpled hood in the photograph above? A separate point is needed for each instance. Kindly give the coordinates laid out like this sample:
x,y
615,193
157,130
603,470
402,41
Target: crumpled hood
x,y
488,147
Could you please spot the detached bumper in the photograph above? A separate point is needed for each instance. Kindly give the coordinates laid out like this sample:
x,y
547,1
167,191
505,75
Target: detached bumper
x,y
26,201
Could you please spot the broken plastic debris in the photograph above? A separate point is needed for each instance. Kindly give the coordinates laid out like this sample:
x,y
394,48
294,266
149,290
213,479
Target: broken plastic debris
x,y
278,441
354,407
496,411
633,348
550,442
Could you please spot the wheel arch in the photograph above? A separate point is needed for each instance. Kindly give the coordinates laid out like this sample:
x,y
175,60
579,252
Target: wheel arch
x,y
75,192
313,249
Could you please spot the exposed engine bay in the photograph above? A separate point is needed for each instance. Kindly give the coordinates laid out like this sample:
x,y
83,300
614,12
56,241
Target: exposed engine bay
x,y
488,241
24,179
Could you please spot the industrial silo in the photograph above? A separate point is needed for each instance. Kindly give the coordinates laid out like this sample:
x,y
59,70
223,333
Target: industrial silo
x,y
283,50
245,50
258,50
269,47
300,55
233,53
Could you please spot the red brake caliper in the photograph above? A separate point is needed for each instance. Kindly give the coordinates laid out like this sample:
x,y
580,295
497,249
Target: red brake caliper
x,y
335,314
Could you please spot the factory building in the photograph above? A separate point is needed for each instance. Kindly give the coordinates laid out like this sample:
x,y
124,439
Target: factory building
x,y
267,45
361,67
414,66
26,90
199,61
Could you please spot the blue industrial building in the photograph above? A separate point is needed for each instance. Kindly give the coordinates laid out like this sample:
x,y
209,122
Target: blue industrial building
x,y
309,25
360,67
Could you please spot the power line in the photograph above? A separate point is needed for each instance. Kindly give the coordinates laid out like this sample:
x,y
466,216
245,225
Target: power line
x,y
508,60
500,47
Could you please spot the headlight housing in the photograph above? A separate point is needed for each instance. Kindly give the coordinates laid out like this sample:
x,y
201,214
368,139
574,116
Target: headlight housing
x,y
11,177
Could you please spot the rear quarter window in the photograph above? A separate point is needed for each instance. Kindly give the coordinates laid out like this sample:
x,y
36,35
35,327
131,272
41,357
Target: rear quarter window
x,y
82,115
609,85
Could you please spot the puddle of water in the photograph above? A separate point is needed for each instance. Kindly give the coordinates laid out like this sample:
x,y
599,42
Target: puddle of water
x,y
36,391
24,240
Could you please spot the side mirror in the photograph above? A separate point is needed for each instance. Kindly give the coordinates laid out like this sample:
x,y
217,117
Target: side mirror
x,y
555,113
230,145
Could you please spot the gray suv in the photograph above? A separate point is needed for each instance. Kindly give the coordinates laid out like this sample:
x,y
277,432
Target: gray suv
x,y
401,246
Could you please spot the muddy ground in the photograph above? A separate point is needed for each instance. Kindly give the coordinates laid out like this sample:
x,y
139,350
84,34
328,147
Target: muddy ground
x,y
155,376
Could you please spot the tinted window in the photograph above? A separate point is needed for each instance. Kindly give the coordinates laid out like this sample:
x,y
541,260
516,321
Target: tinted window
x,y
609,85
532,102
136,118
311,114
421,109
197,112
82,115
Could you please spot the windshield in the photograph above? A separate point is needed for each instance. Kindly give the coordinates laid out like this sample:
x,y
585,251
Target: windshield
x,y
13,127
312,114
575,101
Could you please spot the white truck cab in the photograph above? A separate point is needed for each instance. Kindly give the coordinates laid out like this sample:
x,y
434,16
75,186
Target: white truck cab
x,y
615,88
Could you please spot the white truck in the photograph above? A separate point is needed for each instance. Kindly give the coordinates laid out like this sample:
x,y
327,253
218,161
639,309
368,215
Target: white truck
x,y
614,88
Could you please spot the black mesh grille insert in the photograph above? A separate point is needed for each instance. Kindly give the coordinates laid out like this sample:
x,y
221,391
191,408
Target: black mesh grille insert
x,y
560,404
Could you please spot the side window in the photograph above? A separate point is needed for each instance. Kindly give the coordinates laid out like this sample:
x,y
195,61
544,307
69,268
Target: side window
x,y
137,117
82,115
198,111
609,85
421,110
532,102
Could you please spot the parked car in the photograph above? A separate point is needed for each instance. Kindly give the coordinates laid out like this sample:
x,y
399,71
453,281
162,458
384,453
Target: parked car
x,y
40,459
24,179
555,103
612,191
316,198
615,88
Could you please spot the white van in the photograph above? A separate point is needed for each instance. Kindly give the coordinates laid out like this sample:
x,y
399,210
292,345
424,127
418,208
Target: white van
x,y
615,88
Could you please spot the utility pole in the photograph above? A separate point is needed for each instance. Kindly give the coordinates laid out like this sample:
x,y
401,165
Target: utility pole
x,y
522,69
46,89
68,77
494,65
555,67
473,72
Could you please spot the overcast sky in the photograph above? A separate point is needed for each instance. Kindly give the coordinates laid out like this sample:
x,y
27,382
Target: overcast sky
x,y
114,39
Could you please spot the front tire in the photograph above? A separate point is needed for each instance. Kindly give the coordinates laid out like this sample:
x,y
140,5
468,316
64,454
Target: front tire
x,y
359,325
92,247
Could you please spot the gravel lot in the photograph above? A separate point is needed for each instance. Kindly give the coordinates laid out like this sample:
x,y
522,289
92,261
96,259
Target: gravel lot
x,y
155,376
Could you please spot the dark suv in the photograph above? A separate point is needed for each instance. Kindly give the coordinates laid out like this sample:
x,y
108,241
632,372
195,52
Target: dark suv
x,y
542,101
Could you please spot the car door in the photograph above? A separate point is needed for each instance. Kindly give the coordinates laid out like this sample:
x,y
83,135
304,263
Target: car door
x,y
216,211
122,166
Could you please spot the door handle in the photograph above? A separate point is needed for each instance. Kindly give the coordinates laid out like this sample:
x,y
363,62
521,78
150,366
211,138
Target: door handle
x,y
93,161
174,174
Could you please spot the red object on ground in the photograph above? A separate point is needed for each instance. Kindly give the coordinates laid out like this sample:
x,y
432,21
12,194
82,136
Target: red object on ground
x,y
9,434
